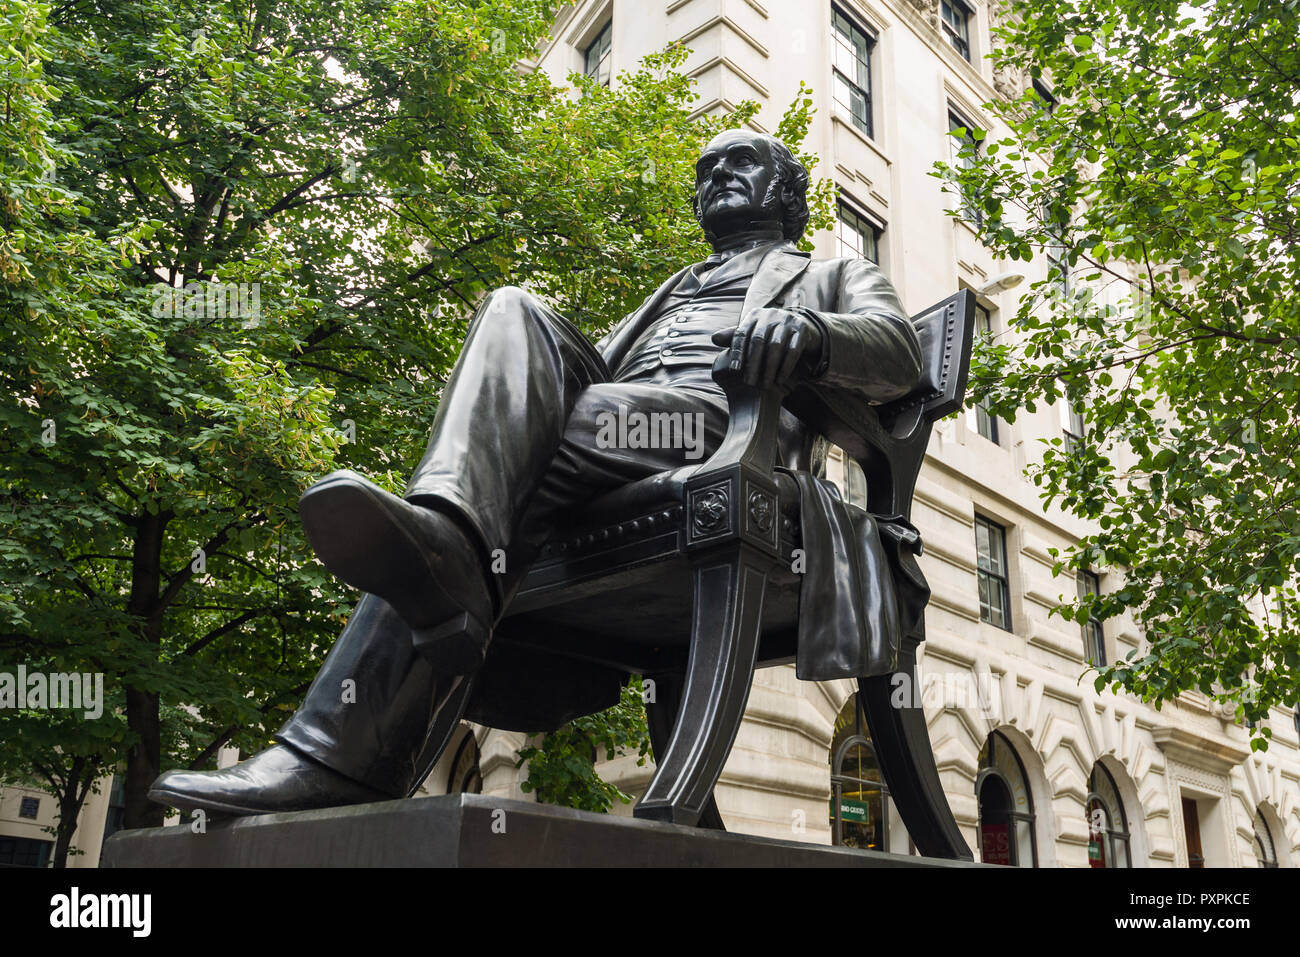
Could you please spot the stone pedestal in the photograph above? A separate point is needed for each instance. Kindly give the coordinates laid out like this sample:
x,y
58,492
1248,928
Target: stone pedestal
x,y
470,830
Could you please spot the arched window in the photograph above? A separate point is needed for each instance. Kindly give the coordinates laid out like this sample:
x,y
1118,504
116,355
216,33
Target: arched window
x,y
464,777
859,811
1108,840
1006,829
1265,850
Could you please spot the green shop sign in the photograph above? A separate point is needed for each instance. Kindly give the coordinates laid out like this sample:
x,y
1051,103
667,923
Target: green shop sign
x,y
854,811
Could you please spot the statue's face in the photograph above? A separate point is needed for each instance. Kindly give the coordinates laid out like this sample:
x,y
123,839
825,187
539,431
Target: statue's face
x,y
733,184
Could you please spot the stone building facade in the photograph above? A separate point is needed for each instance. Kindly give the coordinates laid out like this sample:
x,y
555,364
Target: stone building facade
x,y
27,817
1039,768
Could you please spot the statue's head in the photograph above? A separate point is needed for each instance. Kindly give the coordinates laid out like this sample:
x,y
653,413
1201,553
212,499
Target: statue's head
x,y
746,181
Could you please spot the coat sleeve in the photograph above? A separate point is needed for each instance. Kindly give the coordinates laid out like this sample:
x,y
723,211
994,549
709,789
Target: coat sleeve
x,y
870,346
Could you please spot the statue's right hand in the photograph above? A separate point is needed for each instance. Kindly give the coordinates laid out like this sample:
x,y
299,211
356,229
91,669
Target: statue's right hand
x,y
773,347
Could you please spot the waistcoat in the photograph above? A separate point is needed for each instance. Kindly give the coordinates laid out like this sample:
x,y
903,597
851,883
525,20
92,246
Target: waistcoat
x,y
678,346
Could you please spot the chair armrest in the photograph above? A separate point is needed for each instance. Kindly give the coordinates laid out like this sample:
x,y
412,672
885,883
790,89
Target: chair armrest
x,y
733,496
753,423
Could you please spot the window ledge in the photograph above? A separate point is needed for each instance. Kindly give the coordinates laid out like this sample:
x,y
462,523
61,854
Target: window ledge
x,y
988,443
867,140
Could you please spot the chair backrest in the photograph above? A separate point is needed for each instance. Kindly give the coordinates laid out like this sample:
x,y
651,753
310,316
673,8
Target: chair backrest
x,y
888,441
946,332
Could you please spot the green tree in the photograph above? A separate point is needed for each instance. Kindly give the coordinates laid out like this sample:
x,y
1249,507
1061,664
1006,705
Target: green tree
x,y
1167,165
251,260
562,765
44,308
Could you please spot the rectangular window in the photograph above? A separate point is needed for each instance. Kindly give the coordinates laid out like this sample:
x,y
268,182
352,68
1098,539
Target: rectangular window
x,y
955,17
991,555
964,130
1058,267
1094,636
852,70
857,235
1046,101
596,56
24,852
29,807
986,424
1074,428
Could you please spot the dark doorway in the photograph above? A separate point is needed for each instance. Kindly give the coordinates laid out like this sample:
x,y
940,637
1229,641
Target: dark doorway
x,y
1192,833
996,846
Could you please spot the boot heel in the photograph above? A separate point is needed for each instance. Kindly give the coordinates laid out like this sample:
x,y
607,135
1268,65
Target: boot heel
x,y
456,647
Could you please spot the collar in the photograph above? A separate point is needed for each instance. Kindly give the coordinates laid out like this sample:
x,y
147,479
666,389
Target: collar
x,y
760,239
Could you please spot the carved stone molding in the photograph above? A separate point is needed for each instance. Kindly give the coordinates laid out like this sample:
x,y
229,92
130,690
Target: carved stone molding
x,y
928,9
1215,756
1010,82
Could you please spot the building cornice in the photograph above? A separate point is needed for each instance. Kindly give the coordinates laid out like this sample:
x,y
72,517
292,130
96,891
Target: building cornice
x,y
1199,750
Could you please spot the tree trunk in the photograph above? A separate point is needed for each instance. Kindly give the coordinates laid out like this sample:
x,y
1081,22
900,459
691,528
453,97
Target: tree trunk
x,y
63,841
145,757
143,761
71,797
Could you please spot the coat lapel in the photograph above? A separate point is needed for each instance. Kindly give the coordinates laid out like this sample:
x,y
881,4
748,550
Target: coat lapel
x,y
616,344
780,267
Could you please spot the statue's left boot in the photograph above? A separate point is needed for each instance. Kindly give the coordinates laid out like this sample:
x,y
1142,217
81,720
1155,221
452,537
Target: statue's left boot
x,y
277,779
417,559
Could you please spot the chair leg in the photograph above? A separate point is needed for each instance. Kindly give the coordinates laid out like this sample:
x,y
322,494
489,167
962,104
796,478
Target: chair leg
x,y
729,590
902,745
661,715
453,695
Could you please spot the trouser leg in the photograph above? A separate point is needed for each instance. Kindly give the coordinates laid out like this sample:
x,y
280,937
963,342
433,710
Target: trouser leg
x,y
369,711
503,414
501,418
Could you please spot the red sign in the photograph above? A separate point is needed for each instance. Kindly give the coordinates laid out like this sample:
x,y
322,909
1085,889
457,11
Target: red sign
x,y
995,844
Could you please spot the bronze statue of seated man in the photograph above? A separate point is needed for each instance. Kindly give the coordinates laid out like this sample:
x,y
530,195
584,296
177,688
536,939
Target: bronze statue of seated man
x,y
521,439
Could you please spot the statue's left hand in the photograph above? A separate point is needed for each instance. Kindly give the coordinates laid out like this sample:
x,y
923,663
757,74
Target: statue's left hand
x,y
773,347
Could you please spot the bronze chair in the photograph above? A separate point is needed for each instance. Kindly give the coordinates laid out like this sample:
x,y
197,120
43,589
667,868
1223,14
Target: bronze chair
x,y
685,578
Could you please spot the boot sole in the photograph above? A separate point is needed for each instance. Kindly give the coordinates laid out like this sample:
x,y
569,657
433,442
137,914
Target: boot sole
x,y
447,634
183,802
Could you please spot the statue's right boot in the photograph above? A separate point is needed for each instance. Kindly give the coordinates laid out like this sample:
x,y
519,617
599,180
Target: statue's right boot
x,y
274,780
417,559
